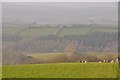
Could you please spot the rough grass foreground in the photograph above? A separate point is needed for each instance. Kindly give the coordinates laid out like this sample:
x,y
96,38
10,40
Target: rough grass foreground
x,y
62,70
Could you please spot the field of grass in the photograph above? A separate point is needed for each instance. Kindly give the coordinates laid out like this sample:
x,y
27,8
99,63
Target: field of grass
x,y
24,31
49,56
62,70
0,71
12,30
45,56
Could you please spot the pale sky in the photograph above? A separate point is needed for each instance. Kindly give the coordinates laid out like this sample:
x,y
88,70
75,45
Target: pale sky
x,y
60,13
60,0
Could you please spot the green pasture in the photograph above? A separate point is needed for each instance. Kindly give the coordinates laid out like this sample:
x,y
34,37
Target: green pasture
x,y
25,31
62,70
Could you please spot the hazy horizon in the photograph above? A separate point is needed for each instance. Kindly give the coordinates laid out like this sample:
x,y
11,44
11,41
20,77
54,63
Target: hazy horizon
x,y
60,12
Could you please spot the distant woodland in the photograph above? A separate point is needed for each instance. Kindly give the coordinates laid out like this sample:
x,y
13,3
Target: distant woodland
x,y
94,41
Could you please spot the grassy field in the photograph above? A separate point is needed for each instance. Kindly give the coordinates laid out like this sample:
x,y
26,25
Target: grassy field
x,y
49,56
24,31
62,70
45,56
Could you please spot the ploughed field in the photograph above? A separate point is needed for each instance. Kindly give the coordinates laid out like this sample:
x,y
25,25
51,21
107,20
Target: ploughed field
x,y
62,70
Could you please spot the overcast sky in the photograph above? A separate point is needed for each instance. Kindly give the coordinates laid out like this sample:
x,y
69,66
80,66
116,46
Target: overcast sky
x,y
60,13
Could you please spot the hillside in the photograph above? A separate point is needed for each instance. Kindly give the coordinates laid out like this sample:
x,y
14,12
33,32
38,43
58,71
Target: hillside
x,y
41,30
19,40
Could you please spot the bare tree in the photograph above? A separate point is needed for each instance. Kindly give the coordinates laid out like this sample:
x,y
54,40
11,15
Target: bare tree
x,y
70,48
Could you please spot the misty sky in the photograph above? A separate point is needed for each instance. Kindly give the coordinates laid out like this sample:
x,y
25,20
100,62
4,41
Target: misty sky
x,y
60,13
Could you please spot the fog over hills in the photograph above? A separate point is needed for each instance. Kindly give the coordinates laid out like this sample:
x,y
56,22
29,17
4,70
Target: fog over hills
x,y
60,13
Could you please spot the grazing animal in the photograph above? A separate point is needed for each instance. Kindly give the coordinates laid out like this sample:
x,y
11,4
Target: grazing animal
x,y
116,60
79,61
112,61
100,61
105,61
85,61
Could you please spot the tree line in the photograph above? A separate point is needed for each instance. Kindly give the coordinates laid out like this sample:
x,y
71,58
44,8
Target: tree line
x,y
95,41
15,47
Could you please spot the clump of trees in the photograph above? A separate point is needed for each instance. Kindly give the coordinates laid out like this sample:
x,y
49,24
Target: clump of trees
x,y
10,57
71,46
96,41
